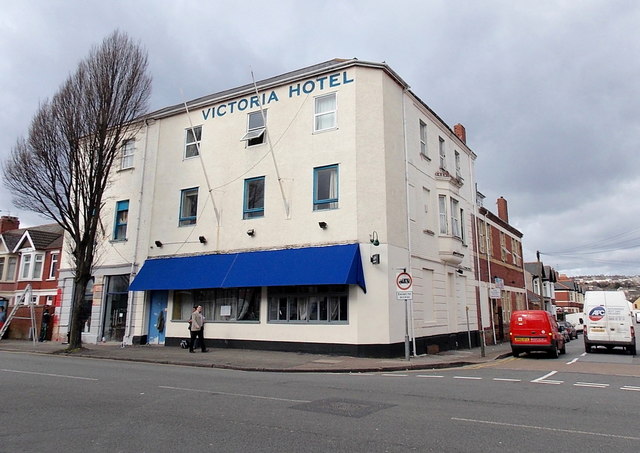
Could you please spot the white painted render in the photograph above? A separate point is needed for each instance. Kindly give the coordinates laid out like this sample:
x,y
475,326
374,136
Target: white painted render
x,y
385,185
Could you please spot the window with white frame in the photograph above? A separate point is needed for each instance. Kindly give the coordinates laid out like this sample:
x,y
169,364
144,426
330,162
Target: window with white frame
x,y
121,220
53,265
462,227
457,158
188,206
12,264
443,153
2,260
423,139
253,198
256,128
31,266
126,154
455,218
325,188
442,206
192,141
515,251
325,112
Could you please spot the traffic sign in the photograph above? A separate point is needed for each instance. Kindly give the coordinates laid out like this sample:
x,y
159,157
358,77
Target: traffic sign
x,y
404,281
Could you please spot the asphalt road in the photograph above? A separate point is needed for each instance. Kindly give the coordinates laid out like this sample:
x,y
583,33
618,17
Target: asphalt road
x,y
52,403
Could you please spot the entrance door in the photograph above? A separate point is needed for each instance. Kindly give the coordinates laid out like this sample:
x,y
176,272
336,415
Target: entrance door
x,y
157,316
115,311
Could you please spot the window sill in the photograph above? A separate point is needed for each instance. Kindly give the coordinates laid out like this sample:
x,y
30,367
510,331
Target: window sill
x,y
118,240
123,170
425,157
429,232
326,130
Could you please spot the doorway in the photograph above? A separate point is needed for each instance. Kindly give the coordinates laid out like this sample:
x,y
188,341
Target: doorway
x,y
157,316
115,309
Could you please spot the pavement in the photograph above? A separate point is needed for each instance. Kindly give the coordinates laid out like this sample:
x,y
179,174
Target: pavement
x,y
266,361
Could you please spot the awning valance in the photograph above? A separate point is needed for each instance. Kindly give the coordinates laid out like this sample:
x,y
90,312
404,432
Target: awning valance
x,y
331,265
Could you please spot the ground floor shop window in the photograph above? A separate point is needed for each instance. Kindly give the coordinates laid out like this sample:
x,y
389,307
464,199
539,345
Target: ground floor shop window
x,y
309,304
223,305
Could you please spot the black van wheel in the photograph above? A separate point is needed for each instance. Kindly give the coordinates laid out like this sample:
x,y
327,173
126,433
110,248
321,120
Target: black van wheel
x,y
554,351
515,352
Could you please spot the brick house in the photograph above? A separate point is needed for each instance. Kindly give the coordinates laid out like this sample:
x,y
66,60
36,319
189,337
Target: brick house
x,y
499,270
29,256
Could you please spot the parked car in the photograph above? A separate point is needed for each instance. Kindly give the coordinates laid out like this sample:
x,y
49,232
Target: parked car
x,y
571,330
564,332
535,330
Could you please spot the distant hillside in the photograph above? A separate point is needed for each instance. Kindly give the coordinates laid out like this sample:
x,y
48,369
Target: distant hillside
x,y
629,284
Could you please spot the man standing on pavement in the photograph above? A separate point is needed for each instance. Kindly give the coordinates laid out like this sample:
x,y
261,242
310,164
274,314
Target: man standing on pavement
x,y
197,329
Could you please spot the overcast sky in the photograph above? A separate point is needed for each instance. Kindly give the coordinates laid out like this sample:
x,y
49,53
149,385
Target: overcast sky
x,y
549,91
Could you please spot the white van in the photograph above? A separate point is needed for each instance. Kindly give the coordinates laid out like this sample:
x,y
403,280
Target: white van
x,y
609,321
577,319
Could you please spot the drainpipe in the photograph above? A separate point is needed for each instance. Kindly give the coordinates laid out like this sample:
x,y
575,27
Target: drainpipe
x,y
408,303
132,273
486,236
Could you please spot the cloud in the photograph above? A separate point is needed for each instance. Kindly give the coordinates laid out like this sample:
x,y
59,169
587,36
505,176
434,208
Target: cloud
x,y
546,90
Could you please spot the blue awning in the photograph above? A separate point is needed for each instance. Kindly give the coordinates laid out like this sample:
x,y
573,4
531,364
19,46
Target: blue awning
x,y
331,265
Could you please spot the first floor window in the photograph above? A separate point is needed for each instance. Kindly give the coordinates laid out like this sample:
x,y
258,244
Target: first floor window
x,y
310,304
12,264
442,206
2,259
218,304
455,218
443,154
53,267
122,216
253,198
31,266
192,142
325,112
325,188
188,207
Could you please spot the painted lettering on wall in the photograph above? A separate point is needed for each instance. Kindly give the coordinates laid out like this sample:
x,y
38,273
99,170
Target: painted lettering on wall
x,y
298,89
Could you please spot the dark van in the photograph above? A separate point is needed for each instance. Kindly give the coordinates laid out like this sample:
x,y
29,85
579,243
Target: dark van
x,y
535,330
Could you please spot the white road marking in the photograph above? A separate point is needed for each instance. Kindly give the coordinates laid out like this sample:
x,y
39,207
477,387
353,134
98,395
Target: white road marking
x,y
544,380
394,375
50,375
245,395
591,384
630,387
544,428
468,377
507,380
429,376
573,361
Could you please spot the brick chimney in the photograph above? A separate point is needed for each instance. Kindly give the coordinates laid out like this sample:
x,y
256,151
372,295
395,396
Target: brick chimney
x,y
503,212
461,132
8,223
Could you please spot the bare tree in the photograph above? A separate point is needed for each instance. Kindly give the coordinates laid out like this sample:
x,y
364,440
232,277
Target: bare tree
x,y
61,170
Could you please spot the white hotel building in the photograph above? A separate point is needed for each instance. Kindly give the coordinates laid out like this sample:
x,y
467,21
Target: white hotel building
x,y
287,209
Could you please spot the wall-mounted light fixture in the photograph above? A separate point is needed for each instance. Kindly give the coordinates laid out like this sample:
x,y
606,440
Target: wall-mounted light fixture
x,y
158,244
373,237
202,239
251,232
322,225
375,258
459,271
